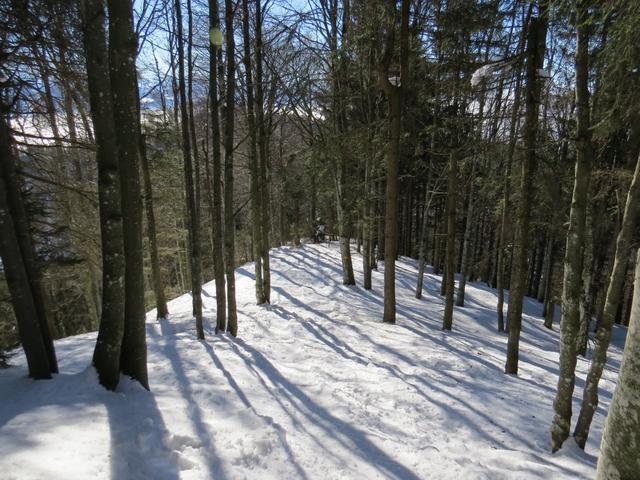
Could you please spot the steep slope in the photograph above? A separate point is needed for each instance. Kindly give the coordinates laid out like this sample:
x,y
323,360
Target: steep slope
x,y
314,387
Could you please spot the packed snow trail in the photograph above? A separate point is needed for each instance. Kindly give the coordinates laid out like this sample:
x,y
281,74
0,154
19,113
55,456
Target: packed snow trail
x,y
314,387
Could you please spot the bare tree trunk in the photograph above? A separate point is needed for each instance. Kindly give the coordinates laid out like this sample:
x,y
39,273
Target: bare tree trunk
x,y
573,259
263,150
229,221
256,191
612,303
381,214
21,286
106,356
216,213
124,89
366,226
535,57
619,453
506,197
162,311
193,222
466,245
448,279
394,98
424,234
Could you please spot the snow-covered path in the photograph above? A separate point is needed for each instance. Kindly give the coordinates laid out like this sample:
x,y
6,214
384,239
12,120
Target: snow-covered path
x,y
314,387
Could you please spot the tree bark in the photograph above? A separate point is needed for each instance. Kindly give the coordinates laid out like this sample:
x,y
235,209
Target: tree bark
x,y
193,222
619,453
573,259
229,221
162,311
106,356
394,99
612,303
466,245
217,233
124,90
535,57
449,269
263,150
256,191
16,272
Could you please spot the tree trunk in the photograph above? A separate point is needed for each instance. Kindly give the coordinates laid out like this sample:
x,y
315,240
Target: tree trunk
x,y
394,99
381,214
216,214
263,150
466,247
124,89
424,235
106,356
256,191
162,311
619,453
449,269
535,58
366,226
573,259
193,222
23,299
612,302
229,221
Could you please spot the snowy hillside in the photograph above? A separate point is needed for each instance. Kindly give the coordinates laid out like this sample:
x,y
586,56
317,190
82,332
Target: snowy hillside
x,y
315,387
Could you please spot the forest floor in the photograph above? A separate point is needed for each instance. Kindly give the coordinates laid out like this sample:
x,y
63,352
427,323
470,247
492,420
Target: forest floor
x,y
314,387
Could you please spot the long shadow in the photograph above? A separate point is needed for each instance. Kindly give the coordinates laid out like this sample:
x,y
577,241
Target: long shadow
x,y
344,433
318,258
213,463
135,415
404,358
322,279
332,341
285,408
243,398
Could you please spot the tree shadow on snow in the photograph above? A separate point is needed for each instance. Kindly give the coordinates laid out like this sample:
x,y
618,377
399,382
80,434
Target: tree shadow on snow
x,y
243,398
348,436
139,436
213,461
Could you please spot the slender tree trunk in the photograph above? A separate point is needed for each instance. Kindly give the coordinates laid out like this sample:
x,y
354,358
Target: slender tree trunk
x,y
124,89
256,200
196,157
192,213
612,303
263,150
449,269
424,235
229,221
162,311
394,99
381,214
391,208
586,298
216,213
619,453
466,247
535,57
501,271
366,226
573,259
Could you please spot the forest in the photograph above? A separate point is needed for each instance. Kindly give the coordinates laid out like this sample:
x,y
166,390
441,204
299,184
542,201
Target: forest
x,y
320,238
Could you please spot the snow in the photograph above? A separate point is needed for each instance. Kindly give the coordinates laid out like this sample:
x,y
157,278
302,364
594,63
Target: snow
x,y
482,73
314,387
